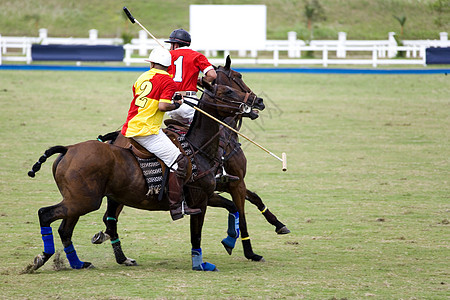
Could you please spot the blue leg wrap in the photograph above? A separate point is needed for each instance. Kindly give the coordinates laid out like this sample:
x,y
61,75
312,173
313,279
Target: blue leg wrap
x,y
47,238
233,230
229,241
197,259
233,225
71,254
197,262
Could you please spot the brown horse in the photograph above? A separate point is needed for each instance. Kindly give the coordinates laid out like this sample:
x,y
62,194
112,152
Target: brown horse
x,y
88,171
235,163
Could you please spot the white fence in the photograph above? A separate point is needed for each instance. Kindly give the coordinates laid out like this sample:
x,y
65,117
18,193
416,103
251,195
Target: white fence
x,y
283,52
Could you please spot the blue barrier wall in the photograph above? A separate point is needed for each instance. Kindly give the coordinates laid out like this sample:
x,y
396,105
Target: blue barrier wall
x,y
77,53
438,56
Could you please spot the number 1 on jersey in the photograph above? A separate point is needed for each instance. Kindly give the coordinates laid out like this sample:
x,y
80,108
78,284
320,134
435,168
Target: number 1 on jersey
x,y
178,69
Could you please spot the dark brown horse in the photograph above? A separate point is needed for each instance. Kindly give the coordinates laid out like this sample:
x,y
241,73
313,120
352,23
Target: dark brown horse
x,y
235,163
88,171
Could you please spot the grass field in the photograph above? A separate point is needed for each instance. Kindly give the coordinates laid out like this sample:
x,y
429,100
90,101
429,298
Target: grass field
x,y
366,194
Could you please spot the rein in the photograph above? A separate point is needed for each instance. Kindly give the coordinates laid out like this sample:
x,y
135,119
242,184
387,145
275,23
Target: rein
x,y
200,149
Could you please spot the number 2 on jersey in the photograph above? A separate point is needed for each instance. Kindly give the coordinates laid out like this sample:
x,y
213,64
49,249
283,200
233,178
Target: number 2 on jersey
x,y
145,88
178,69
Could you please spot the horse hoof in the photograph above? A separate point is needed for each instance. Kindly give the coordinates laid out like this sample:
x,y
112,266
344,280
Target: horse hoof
x,y
256,257
88,265
38,262
282,230
228,248
100,237
130,262
206,266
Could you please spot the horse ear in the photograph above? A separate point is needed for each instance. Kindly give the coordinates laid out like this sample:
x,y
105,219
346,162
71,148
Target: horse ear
x,y
228,62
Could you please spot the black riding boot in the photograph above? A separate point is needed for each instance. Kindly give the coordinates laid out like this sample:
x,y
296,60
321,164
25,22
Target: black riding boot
x,y
177,206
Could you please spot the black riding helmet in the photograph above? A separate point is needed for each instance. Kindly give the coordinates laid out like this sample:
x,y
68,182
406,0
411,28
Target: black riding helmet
x,y
180,36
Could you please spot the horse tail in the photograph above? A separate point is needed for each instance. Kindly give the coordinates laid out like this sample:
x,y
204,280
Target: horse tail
x,y
49,152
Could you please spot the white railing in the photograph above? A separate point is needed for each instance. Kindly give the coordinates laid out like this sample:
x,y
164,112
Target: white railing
x,y
284,52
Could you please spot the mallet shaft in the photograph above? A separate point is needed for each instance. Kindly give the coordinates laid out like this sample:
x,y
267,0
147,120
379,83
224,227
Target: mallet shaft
x,y
149,33
133,20
284,161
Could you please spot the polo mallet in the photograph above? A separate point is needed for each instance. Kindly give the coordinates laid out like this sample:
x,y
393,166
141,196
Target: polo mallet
x,y
133,20
283,155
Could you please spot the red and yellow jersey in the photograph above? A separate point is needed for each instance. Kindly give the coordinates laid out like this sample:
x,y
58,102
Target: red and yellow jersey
x,y
144,117
186,64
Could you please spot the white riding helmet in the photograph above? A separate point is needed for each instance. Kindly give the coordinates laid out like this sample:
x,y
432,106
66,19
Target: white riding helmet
x,y
160,56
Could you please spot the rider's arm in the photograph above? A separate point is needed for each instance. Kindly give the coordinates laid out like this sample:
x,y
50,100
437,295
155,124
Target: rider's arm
x,y
210,75
164,106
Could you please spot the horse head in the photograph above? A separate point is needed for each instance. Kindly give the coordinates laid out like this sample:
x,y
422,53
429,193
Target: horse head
x,y
227,101
230,77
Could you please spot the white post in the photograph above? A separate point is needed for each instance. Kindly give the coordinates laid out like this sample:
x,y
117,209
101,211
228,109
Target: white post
x,y
142,43
254,53
374,56
340,52
25,42
128,52
392,51
93,35
325,56
292,40
424,57
43,35
444,39
29,58
276,56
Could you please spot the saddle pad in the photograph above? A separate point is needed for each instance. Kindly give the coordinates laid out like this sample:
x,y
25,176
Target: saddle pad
x,y
152,170
188,151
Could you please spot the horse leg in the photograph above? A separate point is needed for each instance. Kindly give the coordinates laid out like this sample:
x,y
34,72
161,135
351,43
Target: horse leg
x,y
233,220
238,191
110,218
65,232
280,228
196,237
237,165
48,215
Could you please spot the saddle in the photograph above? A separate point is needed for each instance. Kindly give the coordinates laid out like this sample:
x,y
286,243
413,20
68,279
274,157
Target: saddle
x,y
154,170
137,149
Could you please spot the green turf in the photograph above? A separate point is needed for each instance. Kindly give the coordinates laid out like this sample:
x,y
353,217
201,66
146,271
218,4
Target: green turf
x,y
366,194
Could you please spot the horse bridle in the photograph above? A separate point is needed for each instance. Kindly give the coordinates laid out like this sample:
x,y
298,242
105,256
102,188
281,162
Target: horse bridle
x,y
243,106
244,88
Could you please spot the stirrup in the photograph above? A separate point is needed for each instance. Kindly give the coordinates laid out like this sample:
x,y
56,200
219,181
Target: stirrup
x,y
224,178
186,210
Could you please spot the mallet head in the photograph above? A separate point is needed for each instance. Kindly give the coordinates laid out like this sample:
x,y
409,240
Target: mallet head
x,y
127,12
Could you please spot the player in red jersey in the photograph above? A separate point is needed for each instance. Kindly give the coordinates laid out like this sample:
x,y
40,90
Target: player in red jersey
x,y
152,97
185,68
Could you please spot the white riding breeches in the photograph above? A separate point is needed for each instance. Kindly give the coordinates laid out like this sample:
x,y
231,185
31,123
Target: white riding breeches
x,y
184,113
160,145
